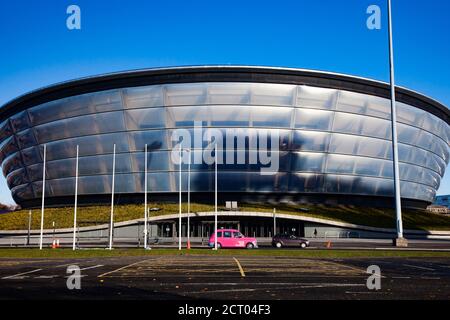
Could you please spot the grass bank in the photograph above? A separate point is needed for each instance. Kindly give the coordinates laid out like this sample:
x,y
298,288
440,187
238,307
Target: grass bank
x,y
95,215
334,253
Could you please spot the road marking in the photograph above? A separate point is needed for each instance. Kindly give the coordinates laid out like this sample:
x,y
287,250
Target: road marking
x,y
46,277
121,268
93,267
240,267
21,274
418,267
401,277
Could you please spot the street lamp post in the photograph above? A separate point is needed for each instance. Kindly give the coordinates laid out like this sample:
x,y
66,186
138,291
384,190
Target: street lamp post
x,y
43,199
145,200
111,226
215,197
189,200
179,216
76,203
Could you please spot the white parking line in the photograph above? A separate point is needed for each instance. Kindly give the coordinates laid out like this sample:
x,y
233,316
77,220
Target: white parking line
x,y
124,267
418,267
93,267
20,274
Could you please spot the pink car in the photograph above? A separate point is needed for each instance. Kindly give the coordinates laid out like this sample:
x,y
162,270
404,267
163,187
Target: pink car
x,y
231,238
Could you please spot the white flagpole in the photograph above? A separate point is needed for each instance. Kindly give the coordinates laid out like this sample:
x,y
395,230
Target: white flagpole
x,y
398,204
112,200
43,199
145,198
215,198
179,217
189,200
76,203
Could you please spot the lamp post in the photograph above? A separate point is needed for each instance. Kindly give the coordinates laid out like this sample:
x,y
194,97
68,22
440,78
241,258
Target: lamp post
x,y
179,216
111,226
215,197
189,200
145,200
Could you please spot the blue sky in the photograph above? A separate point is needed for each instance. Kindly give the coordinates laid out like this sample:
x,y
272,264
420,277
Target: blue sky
x,y
37,49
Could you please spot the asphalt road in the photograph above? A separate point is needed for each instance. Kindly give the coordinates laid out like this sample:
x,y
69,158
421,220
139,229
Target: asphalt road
x,y
225,277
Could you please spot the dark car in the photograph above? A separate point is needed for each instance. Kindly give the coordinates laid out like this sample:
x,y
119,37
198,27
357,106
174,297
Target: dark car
x,y
289,240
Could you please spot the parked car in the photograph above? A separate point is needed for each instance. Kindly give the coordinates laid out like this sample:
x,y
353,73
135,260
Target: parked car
x,y
231,238
289,240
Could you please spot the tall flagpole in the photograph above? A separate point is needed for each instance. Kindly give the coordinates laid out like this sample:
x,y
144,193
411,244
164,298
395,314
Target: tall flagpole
x,y
189,201
179,216
215,197
399,241
76,203
111,226
145,198
43,199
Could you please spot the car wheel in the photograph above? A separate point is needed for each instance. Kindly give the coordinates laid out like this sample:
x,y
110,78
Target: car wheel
x,y
303,245
219,246
250,245
278,245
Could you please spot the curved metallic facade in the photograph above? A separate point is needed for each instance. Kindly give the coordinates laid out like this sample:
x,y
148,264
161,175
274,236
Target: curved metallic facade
x,y
333,141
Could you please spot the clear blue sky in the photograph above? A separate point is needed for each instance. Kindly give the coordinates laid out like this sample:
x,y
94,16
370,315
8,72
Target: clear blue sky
x,y
37,49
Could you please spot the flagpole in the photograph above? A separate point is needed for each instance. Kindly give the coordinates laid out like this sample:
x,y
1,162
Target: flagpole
x,y
111,226
189,200
179,216
145,198
399,241
43,199
76,202
215,197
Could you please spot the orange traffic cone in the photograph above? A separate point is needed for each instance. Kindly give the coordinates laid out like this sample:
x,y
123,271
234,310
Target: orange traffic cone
x,y
54,244
57,243
328,244
189,244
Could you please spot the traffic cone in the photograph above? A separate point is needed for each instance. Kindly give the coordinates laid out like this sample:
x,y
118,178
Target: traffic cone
x,y
328,244
57,243
189,244
54,244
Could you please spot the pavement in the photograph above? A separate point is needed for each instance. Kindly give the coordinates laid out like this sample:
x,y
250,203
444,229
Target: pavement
x,y
235,278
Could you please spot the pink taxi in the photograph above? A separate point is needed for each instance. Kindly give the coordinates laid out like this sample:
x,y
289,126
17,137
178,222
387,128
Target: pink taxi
x,y
231,238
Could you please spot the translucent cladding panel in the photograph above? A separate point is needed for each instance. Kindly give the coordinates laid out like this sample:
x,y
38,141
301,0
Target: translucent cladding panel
x,y
26,139
425,193
35,172
189,94
243,138
229,93
419,174
364,104
362,125
407,134
320,98
277,117
17,178
31,155
308,162
94,184
313,119
187,116
80,126
362,146
156,161
37,188
23,192
340,164
265,183
90,145
372,167
20,121
358,185
101,164
411,154
435,163
433,124
149,118
234,116
272,94
5,130
75,106
143,97
7,148
62,187
306,182
160,182
12,163
310,141
155,140
410,115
